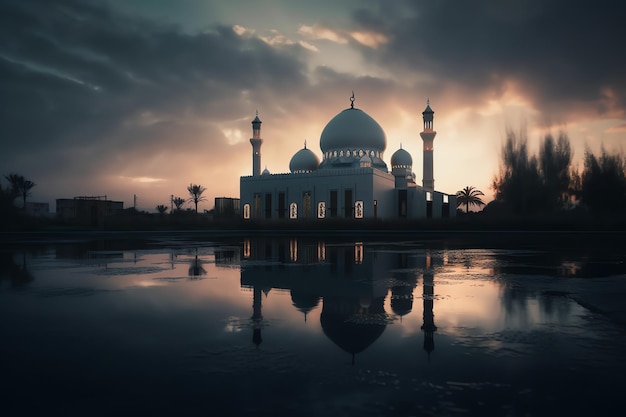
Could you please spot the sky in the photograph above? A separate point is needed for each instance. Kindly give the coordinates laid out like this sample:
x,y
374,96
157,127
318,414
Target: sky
x,y
137,99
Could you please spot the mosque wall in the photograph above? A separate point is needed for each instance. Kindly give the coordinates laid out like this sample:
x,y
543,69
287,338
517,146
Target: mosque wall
x,y
349,193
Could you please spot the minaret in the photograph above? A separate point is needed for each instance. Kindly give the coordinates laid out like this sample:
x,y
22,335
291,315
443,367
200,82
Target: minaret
x,y
256,143
428,136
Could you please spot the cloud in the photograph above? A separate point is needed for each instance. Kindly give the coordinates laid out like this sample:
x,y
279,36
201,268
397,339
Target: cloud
x,y
89,93
616,129
319,32
561,53
370,39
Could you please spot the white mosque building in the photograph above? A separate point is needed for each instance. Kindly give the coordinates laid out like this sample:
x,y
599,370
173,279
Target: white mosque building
x,y
352,181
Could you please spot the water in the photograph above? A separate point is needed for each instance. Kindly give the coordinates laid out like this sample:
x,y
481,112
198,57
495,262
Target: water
x,y
178,325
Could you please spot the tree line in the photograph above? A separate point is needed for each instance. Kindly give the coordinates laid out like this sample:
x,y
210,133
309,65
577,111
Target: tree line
x,y
529,184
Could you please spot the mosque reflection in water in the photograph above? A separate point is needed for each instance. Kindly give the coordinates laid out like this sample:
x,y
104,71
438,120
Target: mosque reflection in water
x,y
350,280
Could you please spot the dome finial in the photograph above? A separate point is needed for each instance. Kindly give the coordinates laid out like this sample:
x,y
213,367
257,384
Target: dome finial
x,y
352,100
400,145
305,144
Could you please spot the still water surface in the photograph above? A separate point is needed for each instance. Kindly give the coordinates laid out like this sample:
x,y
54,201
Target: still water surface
x,y
306,327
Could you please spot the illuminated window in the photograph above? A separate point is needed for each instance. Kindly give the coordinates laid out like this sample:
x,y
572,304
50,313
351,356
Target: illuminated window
x,y
358,209
321,210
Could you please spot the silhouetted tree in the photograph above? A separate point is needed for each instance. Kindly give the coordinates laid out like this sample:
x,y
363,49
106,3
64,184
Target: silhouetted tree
x,y
519,179
7,208
161,208
575,186
555,158
195,192
20,187
178,202
469,196
603,187
14,181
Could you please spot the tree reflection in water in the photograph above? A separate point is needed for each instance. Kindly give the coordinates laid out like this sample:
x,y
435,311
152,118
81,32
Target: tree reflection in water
x,y
196,270
16,273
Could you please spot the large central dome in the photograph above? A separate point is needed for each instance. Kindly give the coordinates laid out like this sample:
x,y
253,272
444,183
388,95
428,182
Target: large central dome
x,y
353,129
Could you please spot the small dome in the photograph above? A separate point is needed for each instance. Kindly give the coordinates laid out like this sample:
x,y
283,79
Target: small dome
x,y
401,159
353,128
265,171
304,161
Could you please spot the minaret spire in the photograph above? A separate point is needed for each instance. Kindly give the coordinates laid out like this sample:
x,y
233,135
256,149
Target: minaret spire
x,y
428,136
256,143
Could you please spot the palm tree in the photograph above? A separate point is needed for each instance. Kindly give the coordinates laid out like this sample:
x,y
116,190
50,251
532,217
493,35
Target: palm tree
x,y
20,187
178,202
195,191
469,196
14,184
161,208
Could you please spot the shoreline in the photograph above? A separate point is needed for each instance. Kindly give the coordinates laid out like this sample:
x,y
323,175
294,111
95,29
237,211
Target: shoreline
x,y
616,237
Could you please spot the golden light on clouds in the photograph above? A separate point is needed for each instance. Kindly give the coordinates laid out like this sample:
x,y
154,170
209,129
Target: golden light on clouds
x,y
234,136
243,31
273,38
143,180
616,129
322,33
370,39
319,32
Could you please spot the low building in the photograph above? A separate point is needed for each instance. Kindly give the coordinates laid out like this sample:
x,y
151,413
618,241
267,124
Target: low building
x,y
87,210
226,207
37,209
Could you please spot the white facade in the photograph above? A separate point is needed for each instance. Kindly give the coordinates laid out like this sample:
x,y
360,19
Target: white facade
x,y
351,182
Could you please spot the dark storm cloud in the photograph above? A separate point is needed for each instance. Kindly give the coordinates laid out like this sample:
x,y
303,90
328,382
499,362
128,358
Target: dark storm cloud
x,y
77,77
561,51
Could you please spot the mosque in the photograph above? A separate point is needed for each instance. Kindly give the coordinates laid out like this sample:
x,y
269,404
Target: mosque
x,y
351,182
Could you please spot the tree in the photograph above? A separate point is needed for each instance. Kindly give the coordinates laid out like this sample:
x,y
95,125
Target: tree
x,y
195,192
603,187
555,158
7,208
20,187
469,196
161,208
519,179
178,202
